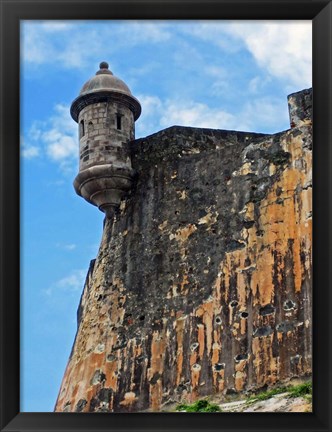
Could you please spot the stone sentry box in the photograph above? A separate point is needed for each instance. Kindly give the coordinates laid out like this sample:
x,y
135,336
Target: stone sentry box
x,y
106,112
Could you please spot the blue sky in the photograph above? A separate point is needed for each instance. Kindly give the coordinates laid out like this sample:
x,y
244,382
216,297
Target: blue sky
x,y
218,74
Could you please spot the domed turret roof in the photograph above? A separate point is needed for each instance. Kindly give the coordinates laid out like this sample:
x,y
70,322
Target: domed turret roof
x,y
104,80
102,87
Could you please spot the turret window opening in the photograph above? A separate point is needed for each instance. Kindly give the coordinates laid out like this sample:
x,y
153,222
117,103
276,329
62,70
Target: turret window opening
x,y
82,128
119,121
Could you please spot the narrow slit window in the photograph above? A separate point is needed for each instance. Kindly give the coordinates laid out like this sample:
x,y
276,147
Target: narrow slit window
x,y
119,121
81,128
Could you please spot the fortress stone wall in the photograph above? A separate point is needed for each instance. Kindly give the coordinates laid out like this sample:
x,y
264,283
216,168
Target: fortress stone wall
x,y
202,283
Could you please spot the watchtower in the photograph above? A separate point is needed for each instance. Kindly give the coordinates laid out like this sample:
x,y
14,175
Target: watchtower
x,y
105,111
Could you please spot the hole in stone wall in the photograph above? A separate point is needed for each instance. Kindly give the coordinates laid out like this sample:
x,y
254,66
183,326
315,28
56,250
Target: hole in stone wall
x,y
196,366
80,405
118,121
248,224
266,310
142,318
219,366
98,377
240,357
244,314
289,305
285,327
111,357
296,359
194,346
234,303
218,320
81,129
262,331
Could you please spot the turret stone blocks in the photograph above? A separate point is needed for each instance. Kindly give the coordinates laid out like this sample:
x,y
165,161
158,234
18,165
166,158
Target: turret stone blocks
x,y
102,141
202,283
106,112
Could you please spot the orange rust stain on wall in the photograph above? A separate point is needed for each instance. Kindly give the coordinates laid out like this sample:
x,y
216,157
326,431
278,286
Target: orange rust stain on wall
x,y
157,354
265,365
195,376
129,399
179,327
182,234
240,375
207,320
156,392
282,234
201,340
243,326
111,369
280,221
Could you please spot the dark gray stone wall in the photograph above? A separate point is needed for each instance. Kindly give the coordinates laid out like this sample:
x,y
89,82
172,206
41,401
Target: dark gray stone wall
x,y
202,283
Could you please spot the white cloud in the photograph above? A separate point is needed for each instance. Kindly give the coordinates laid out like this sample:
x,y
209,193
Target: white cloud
x,y
152,108
256,85
213,32
68,247
76,44
284,48
263,115
56,26
141,32
157,114
59,145
30,152
56,138
58,43
35,131
71,283
259,115
220,83
195,114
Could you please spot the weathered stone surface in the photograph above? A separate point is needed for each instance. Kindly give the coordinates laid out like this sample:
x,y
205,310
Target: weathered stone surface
x,y
300,107
105,111
279,403
202,283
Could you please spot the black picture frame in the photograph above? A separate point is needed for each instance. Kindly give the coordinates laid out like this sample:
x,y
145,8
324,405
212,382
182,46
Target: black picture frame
x,y
12,11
